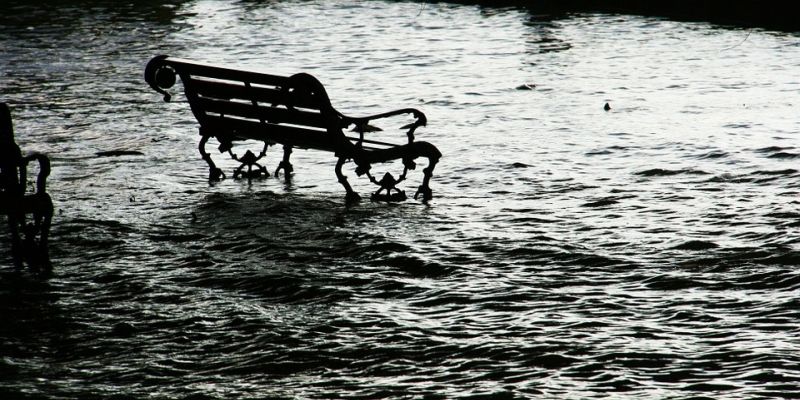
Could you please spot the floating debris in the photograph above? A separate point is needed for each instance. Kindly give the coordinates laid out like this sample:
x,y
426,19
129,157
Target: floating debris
x,y
123,329
600,203
117,153
670,172
696,245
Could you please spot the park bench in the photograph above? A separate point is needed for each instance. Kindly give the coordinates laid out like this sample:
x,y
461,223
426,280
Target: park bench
x,y
29,213
233,105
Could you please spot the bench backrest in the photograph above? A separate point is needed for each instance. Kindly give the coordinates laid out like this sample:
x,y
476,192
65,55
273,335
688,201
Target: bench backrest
x,y
241,104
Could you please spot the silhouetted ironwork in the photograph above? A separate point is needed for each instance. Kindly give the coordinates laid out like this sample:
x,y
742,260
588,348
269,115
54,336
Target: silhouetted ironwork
x,y
29,213
234,105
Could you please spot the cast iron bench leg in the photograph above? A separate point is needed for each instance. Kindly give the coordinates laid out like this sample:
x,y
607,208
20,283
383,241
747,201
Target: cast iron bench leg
x,y
424,188
36,251
16,241
351,196
285,165
214,173
25,248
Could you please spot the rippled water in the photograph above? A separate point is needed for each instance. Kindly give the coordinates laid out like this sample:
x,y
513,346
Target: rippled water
x,y
648,251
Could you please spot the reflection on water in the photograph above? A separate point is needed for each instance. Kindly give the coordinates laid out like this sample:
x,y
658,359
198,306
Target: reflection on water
x,y
542,37
570,251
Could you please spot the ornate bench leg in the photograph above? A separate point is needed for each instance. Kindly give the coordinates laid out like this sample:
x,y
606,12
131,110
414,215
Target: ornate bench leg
x,y
249,160
16,240
29,237
214,173
351,196
425,189
285,165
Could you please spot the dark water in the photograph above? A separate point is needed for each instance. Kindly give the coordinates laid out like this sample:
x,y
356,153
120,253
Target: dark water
x,y
648,251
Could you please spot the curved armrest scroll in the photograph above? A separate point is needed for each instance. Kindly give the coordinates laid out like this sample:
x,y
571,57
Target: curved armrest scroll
x,y
361,123
44,170
160,75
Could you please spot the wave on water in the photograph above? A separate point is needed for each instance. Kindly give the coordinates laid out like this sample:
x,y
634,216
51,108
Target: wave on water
x,y
656,172
647,251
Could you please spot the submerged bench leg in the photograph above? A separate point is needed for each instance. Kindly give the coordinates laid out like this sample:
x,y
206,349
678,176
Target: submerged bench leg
x,y
214,173
424,188
16,241
285,165
36,234
351,196
29,237
249,160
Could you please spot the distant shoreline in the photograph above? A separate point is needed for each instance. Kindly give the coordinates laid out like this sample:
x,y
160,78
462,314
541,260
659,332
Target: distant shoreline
x,y
769,14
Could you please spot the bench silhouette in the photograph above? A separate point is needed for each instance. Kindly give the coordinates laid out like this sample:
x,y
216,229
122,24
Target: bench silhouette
x,y
29,213
295,111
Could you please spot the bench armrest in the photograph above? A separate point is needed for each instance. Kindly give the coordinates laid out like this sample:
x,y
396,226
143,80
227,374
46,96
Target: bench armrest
x,y
44,170
362,123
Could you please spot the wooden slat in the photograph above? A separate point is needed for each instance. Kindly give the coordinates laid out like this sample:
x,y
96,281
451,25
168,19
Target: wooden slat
x,y
184,67
275,115
237,90
248,129
294,136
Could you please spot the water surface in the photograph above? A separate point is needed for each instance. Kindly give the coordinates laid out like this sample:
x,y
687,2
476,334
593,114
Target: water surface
x,y
647,251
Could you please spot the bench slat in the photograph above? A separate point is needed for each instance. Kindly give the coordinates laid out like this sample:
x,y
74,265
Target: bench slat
x,y
237,90
185,67
299,137
247,129
271,115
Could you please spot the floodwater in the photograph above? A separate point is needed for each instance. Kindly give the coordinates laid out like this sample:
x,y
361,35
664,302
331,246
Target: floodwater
x,y
647,251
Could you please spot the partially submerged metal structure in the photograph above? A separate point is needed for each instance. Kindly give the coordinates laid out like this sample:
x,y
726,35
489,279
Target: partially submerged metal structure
x,y
29,212
234,105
